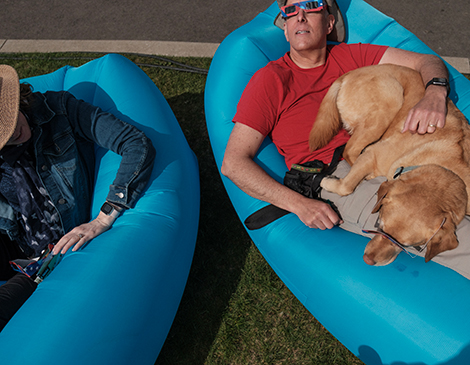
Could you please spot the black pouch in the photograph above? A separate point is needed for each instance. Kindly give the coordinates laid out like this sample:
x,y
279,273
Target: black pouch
x,y
305,179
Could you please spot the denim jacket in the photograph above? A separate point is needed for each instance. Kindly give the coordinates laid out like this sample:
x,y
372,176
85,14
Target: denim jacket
x,y
64,133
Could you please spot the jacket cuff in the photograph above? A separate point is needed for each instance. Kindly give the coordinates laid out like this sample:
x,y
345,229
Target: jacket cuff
x,y
122,196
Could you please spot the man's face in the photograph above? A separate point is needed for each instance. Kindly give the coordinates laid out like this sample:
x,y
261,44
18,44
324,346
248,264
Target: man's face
x,y
308,31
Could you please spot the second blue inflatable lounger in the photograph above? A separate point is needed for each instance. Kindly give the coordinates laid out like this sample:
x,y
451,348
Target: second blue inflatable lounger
x,y
113,302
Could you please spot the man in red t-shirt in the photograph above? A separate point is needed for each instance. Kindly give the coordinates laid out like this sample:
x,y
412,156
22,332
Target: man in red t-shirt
x,y
283,98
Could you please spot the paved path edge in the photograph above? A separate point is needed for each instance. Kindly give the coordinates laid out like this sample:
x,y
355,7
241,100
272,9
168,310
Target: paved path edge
x,y
162,48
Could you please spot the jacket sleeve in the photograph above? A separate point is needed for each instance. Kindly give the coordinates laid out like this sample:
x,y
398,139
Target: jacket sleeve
x,y
107,131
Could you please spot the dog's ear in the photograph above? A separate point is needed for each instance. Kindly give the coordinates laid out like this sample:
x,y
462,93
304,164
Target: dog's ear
x,y
381,193
444,240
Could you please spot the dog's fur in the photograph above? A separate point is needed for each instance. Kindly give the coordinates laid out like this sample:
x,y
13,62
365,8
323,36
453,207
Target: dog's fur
x,y
372,104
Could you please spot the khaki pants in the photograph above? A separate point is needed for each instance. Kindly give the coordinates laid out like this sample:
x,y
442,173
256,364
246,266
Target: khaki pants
x,y
356,210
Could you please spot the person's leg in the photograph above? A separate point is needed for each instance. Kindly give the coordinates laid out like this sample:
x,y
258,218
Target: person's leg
x,y
457,259
13,294
356,208
9,250
18,288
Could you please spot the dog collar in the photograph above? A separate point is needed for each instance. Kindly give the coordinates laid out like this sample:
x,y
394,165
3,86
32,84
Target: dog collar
x,y
402,170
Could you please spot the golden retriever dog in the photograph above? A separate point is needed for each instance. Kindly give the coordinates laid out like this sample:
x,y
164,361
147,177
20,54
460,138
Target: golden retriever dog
x,y
428,178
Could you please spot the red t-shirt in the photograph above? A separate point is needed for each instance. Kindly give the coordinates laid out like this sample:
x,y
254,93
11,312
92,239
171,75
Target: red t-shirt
x,y
282,100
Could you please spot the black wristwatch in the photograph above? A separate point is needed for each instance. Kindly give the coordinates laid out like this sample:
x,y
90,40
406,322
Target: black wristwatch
x,y
110,210
439,82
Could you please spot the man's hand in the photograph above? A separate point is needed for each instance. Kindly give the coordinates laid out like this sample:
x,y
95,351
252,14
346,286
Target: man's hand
x,y
429,114
317,214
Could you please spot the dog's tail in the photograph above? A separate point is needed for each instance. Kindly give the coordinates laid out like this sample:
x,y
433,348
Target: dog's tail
x,y
328,122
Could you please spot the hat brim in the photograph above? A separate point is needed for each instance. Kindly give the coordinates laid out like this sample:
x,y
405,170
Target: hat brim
x,y
9,102
339,31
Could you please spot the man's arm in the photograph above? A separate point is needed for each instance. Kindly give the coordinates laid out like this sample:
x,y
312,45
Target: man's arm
x,y
430,112
238,166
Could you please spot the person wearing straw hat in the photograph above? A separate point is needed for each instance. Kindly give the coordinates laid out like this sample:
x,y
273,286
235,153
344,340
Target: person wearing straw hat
x,y
282,99
47,144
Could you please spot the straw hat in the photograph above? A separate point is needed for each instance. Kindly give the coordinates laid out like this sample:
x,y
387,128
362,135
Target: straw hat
x,y
9,102
339,31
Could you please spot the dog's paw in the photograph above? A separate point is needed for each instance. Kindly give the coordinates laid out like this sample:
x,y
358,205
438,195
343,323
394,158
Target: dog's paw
x,y
335,185
330,183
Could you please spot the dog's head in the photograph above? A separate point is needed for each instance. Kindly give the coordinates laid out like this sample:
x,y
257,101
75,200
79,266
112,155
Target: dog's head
x,y
421,207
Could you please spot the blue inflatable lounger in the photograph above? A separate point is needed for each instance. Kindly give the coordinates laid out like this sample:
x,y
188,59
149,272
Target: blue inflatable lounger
x,y
114,301
407,312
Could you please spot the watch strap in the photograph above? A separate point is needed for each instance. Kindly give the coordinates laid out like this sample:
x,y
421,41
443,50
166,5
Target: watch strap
x,y
110,210
439,81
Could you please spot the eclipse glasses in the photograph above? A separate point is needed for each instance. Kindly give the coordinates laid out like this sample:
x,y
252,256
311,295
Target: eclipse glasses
x,y
403,247
308,6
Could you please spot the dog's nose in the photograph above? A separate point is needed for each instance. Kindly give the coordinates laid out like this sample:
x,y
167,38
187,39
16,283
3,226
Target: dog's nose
x,y
368,260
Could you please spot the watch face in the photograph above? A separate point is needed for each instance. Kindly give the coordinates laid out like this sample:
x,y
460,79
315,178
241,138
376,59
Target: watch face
x,y
107,208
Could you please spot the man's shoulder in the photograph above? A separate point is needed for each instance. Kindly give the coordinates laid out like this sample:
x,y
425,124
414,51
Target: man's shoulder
x,y
352,48
273,71
345,47
354,55
279,69
275,66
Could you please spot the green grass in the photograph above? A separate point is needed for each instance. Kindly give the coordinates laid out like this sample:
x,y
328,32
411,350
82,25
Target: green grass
x,y
234,310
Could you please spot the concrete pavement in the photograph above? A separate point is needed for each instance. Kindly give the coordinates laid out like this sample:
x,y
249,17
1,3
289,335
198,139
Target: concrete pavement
x,y
196,29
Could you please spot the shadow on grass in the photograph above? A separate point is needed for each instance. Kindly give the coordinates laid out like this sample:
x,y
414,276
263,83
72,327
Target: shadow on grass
x,y
221,250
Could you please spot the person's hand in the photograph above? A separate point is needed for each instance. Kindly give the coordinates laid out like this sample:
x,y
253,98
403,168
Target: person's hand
x,y
318,214
80,235
429,114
